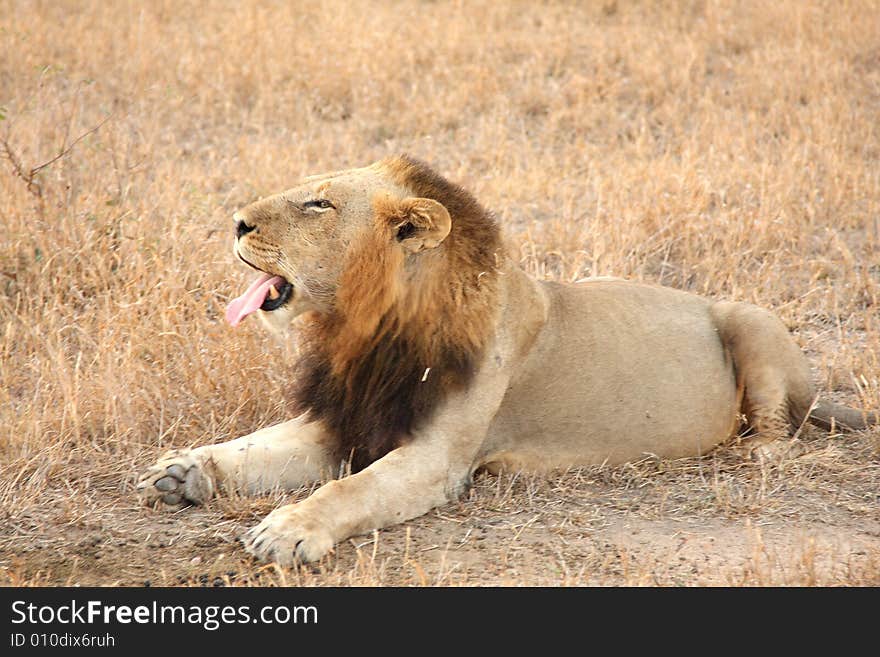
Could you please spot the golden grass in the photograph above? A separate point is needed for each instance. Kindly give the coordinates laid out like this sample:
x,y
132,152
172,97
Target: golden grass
x,y
728,148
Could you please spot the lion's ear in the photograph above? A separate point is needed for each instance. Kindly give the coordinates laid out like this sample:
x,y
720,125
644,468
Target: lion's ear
x,y
419,223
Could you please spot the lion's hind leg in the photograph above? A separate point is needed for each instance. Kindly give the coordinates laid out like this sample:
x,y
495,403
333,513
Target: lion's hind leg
x,y
768,411
771,373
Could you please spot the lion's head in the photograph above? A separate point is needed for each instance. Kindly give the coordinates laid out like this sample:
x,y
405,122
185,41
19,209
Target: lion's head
x,y
394,268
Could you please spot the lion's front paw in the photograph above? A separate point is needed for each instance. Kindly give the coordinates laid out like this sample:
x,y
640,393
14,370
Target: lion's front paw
x,y
288,535
178,478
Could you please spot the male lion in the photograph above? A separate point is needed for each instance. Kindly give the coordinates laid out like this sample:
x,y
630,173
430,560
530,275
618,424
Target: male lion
x,y
429,354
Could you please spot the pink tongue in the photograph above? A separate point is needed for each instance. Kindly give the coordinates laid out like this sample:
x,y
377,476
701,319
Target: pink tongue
x,y
252,299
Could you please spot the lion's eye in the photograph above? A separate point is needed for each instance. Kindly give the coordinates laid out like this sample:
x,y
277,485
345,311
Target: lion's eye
x,y
319,204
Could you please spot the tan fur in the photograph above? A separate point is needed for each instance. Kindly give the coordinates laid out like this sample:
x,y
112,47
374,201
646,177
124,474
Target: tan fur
x,y
368,288
425,303
405,280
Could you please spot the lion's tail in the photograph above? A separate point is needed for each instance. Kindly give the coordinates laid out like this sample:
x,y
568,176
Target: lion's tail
x,y
825,413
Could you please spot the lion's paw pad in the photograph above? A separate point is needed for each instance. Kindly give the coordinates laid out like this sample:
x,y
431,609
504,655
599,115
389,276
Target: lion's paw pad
x,y
177,479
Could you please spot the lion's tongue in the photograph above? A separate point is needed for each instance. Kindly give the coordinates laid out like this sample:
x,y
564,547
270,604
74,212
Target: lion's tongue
x,y
252,299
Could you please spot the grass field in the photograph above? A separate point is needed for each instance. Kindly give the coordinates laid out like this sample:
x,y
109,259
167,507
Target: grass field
x,y
723,147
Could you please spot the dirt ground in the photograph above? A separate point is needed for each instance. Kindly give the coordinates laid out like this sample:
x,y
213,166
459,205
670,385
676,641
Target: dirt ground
x,y
716,520
726,148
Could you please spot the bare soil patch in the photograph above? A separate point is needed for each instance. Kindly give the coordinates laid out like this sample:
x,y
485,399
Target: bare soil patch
x,y
705,521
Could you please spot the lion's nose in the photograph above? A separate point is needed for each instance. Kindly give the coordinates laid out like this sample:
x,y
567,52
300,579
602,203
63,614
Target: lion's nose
x,y
241,226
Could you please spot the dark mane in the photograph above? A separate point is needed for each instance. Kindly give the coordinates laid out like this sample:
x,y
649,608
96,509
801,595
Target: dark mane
x,y
403,333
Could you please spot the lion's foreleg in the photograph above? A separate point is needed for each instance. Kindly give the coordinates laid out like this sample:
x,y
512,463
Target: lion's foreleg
x,y
430,470
406,483
284,456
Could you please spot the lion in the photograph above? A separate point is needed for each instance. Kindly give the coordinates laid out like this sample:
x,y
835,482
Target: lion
x,y
428,354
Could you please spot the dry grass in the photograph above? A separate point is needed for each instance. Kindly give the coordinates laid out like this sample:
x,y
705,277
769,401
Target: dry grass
x,y
722,147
